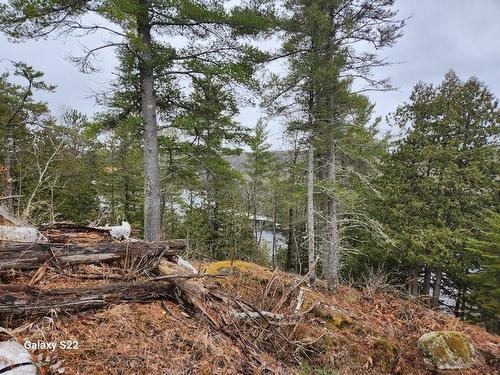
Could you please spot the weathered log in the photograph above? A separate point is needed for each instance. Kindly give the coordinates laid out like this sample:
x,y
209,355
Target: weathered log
x,y
16,300
74,233
26,256
14,229
19,234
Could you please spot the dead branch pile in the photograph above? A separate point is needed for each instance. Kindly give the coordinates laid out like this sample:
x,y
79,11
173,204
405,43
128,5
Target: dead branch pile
x,y
151,273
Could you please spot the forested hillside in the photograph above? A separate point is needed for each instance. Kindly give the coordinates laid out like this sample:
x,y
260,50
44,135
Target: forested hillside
x,y
341,199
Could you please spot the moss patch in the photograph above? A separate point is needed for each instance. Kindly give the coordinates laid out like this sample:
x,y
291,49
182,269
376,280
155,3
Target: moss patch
x,y
321,311
228,266
341,321
326,313
446,349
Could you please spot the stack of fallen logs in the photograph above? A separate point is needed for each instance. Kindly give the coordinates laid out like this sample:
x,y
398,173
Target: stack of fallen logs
x,y
148,271
65,245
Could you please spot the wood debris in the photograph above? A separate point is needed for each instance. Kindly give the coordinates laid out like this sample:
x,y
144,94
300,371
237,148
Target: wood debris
x,y
22,256
14,229
73,233
26,300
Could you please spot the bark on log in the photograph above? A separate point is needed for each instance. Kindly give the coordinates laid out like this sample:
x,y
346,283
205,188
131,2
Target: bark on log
x,y
74,233
16,300
26,256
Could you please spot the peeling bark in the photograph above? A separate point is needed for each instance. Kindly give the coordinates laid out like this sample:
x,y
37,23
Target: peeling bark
x,y
436,291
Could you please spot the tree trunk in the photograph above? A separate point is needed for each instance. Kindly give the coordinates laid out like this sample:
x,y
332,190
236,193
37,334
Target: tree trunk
x,y
458,301
291,225
258,228
463,307
127,198
7,178
413,281
16,300
275,263
290,242
254,211
332,240
152,222
436,291
26,256
427,282
310,214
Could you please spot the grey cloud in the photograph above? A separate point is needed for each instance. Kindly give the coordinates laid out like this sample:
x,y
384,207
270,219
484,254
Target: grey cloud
x,y
462,35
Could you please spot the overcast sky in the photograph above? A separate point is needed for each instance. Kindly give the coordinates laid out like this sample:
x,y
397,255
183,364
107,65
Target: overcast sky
x,y
462,35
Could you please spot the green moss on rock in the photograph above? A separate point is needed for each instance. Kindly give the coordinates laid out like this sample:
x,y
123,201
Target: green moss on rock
x,y
341,321
446,349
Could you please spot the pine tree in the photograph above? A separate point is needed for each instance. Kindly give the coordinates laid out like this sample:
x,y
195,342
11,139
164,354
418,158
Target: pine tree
x,y
319,45
208,135
140,26
259,166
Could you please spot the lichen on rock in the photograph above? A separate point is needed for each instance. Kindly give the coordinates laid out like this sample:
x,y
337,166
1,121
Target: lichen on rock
x,y
446,350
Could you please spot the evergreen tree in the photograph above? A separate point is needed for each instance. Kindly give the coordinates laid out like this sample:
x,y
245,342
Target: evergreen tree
x,y
441,177
320,46
145,28
18,112
484,282
259,166
208,135
48,167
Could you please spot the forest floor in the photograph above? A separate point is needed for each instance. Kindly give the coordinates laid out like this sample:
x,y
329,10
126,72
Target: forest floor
x,y
356,330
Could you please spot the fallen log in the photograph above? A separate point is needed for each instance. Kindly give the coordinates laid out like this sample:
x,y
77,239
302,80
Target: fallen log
x,y
26,256
19,234
16,300
14,229
74,233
